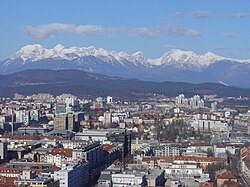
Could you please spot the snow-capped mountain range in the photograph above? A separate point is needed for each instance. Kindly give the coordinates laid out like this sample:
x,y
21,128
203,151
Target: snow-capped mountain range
x,y
36,52
175,65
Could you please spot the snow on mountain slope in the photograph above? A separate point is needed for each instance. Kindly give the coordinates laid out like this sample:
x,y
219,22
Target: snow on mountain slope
x,y
188,59
33,53
180,59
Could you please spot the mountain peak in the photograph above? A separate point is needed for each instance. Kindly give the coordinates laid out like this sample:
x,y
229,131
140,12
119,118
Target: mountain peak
x,y
29,51
29,48
139,54
210,53
179,52
58,47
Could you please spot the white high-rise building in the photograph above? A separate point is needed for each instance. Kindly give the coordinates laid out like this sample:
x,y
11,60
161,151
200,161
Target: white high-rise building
x,y
34,115
107,118
196,102
22,116
179,100
214,107
109,100
3,152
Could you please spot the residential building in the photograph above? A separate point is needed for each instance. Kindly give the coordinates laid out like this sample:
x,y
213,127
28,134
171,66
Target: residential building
x,y
156,177
68,121
73,175
3,151
223,177
29,178
204,125
128,179
166,150
109,100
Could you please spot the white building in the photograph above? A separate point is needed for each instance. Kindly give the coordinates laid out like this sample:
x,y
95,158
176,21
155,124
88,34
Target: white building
x,y
127,180
220,151
184,170
214,107
210,125
196,102
3,151
193,102
57,160
29,178
156,177
180,100
34,115
94,134
22,116
107,118
90,151
109,100
166,150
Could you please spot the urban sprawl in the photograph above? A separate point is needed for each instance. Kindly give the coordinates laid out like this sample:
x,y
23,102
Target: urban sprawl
x,y
66,141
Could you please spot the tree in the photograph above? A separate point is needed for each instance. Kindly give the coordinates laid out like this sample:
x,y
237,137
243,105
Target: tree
x,y
212,168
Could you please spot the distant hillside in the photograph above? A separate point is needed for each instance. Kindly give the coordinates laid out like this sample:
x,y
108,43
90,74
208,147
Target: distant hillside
x,y
83,83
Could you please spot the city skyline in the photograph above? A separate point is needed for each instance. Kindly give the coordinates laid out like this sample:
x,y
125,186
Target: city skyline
x,y
153,27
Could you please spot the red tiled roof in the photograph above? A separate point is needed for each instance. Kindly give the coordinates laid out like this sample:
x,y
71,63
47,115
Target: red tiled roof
x,y
62,151
31,137
220,146
206,184
55,167
18,170
163,158
226,175
107,147
27,166
185,158
7,180
201,144
167,159
150,158
200,159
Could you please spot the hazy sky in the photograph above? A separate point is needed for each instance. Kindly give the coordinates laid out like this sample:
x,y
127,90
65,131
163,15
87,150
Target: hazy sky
x,y
151,26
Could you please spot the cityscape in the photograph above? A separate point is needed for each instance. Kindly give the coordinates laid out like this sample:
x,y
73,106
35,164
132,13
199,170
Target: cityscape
x,y
113,93
161,141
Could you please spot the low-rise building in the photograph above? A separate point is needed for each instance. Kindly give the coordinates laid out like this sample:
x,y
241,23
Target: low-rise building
x,y
154,162
204,125
166,150
156,177
135,179
185,170
58,156
223,177
29,178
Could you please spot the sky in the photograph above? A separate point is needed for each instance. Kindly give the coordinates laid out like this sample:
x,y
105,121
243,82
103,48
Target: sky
x,y
151,26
